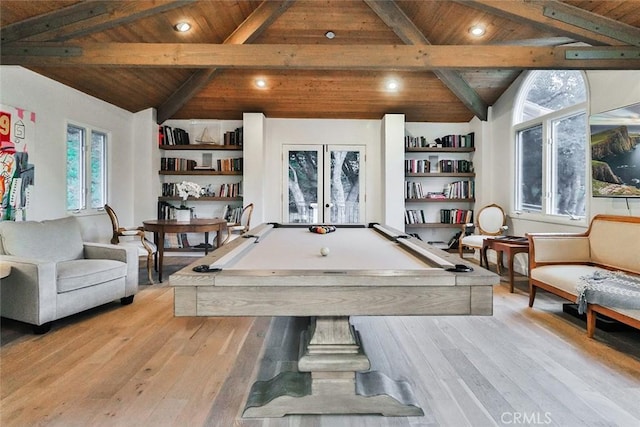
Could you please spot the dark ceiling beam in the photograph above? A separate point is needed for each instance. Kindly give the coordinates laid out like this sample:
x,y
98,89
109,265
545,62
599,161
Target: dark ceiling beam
x,y
590,21
406,30
83,18
533,13
321,57
249,30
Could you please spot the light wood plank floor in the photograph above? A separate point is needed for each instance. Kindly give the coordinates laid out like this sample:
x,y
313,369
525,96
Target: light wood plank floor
x,y
139,366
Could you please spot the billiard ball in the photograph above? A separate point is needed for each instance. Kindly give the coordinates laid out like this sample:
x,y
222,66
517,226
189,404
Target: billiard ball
x,y
324,251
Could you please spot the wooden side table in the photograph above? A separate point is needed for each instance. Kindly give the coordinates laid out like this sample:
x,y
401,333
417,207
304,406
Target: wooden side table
x,y
511,246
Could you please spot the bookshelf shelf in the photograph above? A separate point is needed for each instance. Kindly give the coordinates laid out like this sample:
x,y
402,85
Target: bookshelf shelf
x,y
201,199
441,174
440,149
437,200
202,147
434,225
208,153
199,172
439,180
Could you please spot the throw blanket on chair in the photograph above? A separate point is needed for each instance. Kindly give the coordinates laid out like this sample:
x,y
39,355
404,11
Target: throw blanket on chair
x,y
610,289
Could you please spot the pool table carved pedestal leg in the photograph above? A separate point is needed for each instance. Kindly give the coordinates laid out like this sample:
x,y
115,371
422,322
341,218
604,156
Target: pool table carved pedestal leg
x,y
330,379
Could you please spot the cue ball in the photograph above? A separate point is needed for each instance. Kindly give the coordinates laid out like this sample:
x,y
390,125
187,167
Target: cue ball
x,y
324,251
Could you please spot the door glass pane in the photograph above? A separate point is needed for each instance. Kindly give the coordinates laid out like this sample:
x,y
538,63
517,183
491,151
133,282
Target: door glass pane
x,y
303,186
98,163
569,165
345,187
75,172
529,187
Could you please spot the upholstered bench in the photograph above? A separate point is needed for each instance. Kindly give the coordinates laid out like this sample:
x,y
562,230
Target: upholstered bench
x,y
559,262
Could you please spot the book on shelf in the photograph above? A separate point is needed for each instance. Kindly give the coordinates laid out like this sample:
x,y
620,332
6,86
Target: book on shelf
x,y
414,216
168,135
455,166
447,141
229,165
456,216
176,164
417,166
456,141
234,137
436,195
459,190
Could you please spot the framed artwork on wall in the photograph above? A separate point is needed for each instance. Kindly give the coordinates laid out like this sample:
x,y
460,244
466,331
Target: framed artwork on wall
x,y
615,152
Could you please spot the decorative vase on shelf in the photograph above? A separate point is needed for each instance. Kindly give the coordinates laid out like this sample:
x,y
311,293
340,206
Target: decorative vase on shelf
x,y
183,215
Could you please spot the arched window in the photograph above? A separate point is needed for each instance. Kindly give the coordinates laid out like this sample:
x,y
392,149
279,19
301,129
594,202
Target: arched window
x,y
550,127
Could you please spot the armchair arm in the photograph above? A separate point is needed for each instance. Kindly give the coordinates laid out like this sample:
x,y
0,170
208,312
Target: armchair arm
x,y
126,254
29,292
558,248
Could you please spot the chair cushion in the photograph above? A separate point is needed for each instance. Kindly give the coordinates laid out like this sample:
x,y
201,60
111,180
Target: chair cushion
x,y
51,240
82,273
473,240
563,276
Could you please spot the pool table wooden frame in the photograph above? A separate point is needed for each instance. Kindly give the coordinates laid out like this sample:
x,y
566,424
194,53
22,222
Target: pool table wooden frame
x,y
331,376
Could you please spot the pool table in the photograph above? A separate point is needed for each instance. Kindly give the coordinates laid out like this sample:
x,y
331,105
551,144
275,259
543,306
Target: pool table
x,y
279,270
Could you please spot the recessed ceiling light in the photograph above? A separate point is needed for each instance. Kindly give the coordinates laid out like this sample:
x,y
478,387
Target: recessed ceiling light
x,y
261,83
181,27
330,35
477,30
392,85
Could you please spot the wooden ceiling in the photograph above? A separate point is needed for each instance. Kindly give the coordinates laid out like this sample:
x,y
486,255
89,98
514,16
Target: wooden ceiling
x,y
127,53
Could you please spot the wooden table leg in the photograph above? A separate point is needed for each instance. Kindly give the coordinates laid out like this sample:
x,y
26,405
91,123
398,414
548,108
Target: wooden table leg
x,y
160,246
330,379
510,256
206,242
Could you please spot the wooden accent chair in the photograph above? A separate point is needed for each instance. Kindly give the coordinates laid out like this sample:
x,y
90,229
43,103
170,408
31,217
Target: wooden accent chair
x,y
490,221
235,230
145,247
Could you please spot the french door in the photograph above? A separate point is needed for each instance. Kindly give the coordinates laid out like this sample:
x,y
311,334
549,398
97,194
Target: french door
x,y
323,184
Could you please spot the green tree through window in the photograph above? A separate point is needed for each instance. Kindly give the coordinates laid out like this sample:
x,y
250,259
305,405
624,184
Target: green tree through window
x,y
550,126
86,168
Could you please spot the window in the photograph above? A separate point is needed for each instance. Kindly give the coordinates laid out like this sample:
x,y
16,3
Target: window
x,y
550,126
86,168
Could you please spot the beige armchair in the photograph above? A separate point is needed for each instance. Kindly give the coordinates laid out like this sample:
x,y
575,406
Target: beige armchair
x,y
136,239
490,221
55,273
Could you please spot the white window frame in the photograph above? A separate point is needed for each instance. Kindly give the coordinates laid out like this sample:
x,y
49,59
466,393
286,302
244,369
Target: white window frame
x,y
546,121
86,196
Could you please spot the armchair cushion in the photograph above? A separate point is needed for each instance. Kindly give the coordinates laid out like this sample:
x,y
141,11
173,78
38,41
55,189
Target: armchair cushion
x,y
78,274
41,240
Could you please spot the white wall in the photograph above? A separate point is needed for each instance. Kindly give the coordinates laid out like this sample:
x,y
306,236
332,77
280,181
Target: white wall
x,y
134,157
54,104
607,90
610,90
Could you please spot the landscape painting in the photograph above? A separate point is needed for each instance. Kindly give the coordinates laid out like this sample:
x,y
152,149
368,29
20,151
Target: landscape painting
x,y
615,152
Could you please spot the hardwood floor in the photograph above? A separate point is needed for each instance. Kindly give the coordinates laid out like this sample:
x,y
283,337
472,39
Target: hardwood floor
x,y
138,365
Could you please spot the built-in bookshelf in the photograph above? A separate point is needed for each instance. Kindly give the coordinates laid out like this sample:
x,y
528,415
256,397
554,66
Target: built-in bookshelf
x,y
206,152
439,188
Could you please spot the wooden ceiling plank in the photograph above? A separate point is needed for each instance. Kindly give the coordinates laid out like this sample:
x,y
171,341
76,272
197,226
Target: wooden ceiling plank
x,y
590,21
84,18
532,13
321,57
54,20
261,18
404,28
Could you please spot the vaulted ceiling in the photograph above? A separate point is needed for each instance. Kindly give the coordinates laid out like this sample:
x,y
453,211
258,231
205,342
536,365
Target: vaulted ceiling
x,y
128,54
